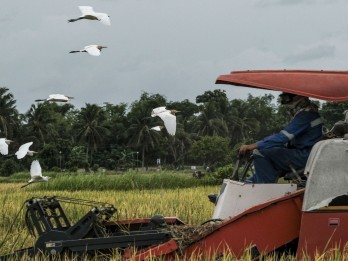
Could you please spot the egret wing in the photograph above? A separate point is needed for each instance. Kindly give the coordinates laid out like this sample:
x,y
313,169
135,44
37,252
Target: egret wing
x,y
86,10
92,50
55,96
23,150
156,128
169,122
104,18
35,170
58,97
158,110
3,147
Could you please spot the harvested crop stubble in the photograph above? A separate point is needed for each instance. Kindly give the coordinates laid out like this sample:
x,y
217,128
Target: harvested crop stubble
x,y
184,235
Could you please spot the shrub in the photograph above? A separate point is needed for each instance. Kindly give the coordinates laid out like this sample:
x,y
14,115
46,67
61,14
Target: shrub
x,y
222,173
55,169
73,169
95,167
8,167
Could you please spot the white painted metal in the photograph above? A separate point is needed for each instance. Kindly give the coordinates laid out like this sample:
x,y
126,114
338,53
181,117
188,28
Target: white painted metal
x,y
235,197
327,171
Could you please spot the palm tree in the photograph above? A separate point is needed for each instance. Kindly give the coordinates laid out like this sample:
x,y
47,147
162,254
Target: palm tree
x,y
39,121
209,125
241,127
90,128
179,146
211,121
115,120
8,113
142,137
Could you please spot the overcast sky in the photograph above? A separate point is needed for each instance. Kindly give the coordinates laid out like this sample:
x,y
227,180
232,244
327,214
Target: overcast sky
x,y
176,48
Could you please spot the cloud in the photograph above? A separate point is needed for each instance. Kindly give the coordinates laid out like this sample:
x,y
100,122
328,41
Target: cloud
x,y
267,3
168,47
311,53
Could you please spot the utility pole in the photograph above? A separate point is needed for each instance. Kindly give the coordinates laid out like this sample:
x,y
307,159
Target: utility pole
x,y
137,160
60,160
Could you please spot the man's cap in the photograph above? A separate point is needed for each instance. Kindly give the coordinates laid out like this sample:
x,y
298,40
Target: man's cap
x,y
286,98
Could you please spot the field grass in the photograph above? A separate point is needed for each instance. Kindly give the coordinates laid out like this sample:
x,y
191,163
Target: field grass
x,y
134,195
102,181
189,204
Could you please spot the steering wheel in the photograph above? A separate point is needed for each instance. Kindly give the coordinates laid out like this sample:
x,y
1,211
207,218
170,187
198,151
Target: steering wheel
x,y
245,162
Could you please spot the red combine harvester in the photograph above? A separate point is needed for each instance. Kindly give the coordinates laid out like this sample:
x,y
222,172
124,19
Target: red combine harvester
x,y
307,216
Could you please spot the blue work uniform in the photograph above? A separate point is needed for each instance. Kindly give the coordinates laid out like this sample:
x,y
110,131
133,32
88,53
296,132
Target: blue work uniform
x,y
291,146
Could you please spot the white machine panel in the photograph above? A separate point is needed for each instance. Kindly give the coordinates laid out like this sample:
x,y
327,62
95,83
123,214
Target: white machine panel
x,y
327,171
235,197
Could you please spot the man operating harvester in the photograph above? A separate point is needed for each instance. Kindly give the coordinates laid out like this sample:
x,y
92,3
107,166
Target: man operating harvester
x,y
291,146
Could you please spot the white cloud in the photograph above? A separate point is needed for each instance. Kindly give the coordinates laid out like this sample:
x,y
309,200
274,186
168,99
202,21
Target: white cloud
x,y
175,48
267,3
311,53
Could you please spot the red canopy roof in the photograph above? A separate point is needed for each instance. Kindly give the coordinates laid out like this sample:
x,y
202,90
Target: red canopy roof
x,y
324,85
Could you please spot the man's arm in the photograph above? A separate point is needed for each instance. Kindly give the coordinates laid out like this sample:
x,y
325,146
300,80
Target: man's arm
x,y
247,147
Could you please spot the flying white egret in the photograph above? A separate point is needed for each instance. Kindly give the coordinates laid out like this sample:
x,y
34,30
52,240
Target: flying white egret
x,y
168,117
158,110
157,128
4,145
56,98
93,50
35,174
24,150
89,14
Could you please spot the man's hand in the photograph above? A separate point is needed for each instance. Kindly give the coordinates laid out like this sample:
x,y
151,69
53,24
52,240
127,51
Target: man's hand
x,y
245,148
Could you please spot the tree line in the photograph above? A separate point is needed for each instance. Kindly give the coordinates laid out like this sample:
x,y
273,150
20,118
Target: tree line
x,y
119,136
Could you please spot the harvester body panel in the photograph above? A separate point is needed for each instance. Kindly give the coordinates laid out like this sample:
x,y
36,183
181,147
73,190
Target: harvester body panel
x,y
327,171
324,222
323,231
235,197
266,226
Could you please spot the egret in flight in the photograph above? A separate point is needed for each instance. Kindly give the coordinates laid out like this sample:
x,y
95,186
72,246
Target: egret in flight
x,y
93,50
157,128
89,14
4,145
168,117
24,150
158,110
56,98
35,174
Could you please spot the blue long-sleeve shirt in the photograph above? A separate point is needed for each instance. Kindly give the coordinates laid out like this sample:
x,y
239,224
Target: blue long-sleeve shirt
x,y
302,132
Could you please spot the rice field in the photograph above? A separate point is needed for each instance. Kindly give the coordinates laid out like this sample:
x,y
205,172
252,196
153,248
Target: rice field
x,y
72,181
190,204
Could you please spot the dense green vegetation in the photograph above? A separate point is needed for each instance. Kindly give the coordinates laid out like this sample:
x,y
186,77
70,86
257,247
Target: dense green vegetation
x,y
131,180
119,136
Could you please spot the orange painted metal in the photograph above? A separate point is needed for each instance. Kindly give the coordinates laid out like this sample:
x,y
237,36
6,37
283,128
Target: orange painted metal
x,y
267,226
168,247
324,85
322,231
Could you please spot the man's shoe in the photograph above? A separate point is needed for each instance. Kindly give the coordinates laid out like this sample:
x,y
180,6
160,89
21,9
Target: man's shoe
x,y
212,198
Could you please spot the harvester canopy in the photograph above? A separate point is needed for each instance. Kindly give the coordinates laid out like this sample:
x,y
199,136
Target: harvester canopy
x,y
324,85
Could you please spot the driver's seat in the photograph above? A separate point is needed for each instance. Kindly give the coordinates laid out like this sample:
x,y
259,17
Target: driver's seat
x,y
296,176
